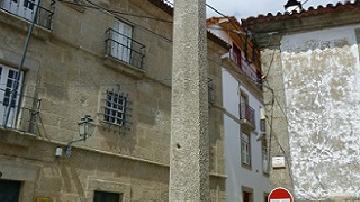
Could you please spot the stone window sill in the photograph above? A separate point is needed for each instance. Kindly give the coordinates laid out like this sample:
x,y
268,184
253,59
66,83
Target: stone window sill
x,y
15,137
75,5
123,67
246,166
23,25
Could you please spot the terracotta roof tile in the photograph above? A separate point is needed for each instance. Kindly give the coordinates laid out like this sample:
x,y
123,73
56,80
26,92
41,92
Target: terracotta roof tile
x,y
311,11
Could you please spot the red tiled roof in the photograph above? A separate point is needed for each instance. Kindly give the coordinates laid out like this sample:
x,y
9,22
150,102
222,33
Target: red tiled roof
x,y
311,11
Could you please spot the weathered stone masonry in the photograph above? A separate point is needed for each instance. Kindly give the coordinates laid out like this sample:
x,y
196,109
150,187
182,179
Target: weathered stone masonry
x,y
68,70
314,69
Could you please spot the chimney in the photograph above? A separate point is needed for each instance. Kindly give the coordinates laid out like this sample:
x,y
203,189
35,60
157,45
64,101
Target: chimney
x,y
293,5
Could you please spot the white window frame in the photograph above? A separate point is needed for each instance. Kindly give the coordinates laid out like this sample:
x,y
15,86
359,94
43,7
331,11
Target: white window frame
x,y
246,149
5,87
22,8
121,41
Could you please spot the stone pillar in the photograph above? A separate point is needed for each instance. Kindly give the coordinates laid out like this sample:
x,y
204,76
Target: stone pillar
x,y
189,158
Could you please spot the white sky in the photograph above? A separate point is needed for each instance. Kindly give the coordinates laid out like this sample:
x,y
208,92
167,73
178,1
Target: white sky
x,y
247,8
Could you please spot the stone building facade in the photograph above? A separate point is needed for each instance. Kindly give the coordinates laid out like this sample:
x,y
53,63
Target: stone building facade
x,y
113,65
311,59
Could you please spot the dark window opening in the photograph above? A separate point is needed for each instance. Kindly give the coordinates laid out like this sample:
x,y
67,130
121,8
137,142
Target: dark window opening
x,y
103,196
247,196
266,197
9,190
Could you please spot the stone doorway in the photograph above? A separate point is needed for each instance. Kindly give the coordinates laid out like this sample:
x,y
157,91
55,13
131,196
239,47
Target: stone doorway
x,y
9,190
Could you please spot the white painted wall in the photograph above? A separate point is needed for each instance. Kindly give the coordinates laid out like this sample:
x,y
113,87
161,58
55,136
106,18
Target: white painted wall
x,y
321,73
237,175
216,29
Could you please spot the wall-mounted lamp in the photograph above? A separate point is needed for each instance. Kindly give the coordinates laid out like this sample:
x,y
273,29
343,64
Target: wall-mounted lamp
x,y
86,128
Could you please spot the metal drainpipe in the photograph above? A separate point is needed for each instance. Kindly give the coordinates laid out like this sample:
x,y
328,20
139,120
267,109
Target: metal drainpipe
x,y
16,83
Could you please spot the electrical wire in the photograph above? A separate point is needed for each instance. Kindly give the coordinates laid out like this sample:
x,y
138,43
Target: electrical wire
x,y
117,15
216,11
273,99
207,5
95,6
305,2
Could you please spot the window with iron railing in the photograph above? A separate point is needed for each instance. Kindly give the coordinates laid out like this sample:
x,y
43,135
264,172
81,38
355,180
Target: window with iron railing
x,y
247,113
17,111
26,9
121,46
244,65
9,79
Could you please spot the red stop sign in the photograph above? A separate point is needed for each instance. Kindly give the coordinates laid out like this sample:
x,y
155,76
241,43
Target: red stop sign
x,y
280,195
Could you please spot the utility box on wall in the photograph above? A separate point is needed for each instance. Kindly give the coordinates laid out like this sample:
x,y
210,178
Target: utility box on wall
x,y
278,162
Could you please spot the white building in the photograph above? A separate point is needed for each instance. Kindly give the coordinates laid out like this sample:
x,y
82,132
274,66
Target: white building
x,y
315,77
246,147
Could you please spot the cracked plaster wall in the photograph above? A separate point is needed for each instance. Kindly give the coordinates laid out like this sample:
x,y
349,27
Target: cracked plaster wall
x,y
321,72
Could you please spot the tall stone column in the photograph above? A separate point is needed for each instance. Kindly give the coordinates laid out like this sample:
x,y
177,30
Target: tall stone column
x,y
189,158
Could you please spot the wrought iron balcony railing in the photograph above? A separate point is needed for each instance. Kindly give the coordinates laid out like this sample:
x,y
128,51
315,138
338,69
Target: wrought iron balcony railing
x,y
23,113
247,113
245,67
26,10
123,48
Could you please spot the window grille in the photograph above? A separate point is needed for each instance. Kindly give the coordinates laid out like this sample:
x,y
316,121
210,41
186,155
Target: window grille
x,y
116,108
26,10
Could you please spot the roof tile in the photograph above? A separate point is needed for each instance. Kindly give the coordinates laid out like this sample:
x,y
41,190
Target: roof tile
x,y
311,11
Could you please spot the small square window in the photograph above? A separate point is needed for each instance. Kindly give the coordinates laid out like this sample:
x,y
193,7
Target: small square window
x,y
115,108
103,196
262,125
